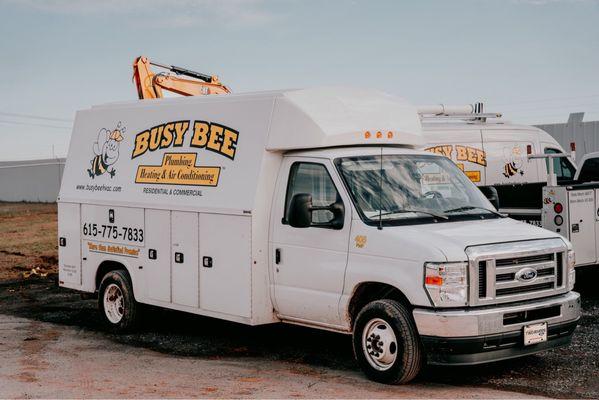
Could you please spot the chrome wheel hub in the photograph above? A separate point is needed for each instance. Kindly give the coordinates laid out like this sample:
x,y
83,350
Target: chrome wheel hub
x,y
113,303
379,344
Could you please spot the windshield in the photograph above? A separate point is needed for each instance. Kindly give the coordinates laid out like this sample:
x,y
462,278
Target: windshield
x,y
412,186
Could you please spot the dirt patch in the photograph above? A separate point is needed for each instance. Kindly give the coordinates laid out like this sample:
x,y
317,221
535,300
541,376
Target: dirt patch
x,y
29,240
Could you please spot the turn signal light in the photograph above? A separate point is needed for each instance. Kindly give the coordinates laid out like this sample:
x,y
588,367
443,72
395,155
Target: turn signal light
x,y
433,280
558,208
558,220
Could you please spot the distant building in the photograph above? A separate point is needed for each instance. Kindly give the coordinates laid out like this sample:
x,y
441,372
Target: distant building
x,y
31,180
584,134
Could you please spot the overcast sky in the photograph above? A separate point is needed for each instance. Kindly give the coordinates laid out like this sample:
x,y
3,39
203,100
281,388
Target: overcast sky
x,y
533,60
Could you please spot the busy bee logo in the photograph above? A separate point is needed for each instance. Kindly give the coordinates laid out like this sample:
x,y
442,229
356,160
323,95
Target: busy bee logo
x,y
513,161
360,241
106,151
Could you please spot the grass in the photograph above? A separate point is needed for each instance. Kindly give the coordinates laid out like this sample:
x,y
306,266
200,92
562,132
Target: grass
x,y
28,239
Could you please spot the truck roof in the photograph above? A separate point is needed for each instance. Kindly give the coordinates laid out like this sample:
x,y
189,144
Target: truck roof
x,y
463,125
317,117
435,127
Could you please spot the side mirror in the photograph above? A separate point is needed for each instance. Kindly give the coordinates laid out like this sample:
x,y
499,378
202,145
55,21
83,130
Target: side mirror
x,y
300,214
491,194
301,209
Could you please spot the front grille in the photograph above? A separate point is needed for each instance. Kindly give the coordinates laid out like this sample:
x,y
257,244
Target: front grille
x,y
524,289
524,260
482,279
560,269
516,271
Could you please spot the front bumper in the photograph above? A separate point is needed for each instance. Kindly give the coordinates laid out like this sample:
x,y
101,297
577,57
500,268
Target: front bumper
x,y
493,333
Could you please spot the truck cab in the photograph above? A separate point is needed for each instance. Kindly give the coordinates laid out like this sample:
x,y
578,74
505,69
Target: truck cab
x,y
312,207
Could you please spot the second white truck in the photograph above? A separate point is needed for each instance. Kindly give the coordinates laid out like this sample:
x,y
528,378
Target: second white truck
x,y
309,207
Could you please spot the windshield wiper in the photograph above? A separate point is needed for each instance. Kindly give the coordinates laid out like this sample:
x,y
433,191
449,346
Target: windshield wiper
x,y
406,210
466,208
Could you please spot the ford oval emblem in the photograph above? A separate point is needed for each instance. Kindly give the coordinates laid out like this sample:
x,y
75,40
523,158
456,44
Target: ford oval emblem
x,y
526,274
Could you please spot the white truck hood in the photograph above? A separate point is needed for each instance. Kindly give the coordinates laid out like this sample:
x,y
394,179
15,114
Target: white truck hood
x,y
448,240
452,238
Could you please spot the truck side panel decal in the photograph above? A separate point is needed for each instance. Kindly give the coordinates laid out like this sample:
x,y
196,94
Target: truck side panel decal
x,y
463,154
178,169
209,135
106,151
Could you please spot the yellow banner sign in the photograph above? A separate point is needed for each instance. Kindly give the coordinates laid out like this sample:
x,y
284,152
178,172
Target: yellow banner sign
x,y
178,169
474,176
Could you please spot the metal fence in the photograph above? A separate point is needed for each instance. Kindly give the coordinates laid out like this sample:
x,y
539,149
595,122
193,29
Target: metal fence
x,y
584,134
31,180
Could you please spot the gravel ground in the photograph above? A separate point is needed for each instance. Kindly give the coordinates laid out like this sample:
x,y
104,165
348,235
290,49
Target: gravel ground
x,y
570,372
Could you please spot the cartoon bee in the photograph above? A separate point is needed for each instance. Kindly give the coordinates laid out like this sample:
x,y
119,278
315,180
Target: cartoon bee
x,y
106,150
513,162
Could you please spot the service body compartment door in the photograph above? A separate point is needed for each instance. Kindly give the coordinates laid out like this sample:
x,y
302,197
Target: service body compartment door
x,y
69,248
157,255
582,225
184,258
225,257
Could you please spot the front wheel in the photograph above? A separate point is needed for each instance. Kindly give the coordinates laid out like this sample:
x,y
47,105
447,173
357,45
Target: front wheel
x,y
386,343
116,301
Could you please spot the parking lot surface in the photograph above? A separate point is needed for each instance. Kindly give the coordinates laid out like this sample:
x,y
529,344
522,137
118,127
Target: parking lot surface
x,y
53,345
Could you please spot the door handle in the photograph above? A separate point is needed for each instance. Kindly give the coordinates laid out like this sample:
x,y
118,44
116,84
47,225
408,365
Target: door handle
x,y
179,258
277,256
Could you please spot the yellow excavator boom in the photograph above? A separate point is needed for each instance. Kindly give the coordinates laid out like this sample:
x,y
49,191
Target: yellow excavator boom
x,y
150,85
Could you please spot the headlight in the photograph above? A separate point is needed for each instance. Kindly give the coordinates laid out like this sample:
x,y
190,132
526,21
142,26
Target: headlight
x,y
447,283
571,271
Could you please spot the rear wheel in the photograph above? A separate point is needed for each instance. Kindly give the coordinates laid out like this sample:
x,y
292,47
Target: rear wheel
x,y
116,301
386,342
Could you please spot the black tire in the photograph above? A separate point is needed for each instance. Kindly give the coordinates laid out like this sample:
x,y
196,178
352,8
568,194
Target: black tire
x,y
129,308
409,356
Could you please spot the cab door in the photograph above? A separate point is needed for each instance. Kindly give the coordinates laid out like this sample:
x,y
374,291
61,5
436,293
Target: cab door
x,y
308,264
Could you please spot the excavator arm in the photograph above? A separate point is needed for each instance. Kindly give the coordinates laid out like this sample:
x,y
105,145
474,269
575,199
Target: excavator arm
x,y
150,85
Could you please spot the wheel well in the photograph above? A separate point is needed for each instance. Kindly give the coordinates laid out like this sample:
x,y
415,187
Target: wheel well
x,y
370,291
106,267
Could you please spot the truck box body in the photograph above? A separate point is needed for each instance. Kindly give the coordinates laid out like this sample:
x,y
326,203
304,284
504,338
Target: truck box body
x,y
172,190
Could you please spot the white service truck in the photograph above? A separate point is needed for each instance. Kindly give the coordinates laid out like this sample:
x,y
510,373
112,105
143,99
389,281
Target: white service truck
x,y
309,207
572,209
493,153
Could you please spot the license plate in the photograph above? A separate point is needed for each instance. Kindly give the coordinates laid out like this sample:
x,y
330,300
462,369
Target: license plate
x,y
535,333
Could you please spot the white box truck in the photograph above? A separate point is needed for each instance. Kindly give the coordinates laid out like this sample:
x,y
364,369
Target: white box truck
x,y
493,154
308,207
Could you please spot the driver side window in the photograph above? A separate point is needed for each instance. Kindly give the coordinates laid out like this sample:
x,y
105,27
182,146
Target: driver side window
x,y
313,179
